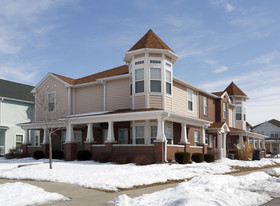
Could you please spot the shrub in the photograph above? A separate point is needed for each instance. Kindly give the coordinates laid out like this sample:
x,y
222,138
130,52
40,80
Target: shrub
x,y
214,152
197,157
209,157
182,157
246,152
14,153
83,155
142,160
57,154
38,155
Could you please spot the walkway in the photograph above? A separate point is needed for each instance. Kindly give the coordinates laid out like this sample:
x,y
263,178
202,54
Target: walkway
x,y
84,196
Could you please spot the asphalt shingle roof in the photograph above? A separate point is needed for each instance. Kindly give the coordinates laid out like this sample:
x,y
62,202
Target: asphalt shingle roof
x,y
16,90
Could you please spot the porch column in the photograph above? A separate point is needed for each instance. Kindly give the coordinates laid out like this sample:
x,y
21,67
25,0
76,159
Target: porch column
x,y
133,133
26,137
254,143
69,134
240,139
90,138
160,133
202,135
259,144
111,136
184,135
147,132
45,137
220,144
263,144
225,143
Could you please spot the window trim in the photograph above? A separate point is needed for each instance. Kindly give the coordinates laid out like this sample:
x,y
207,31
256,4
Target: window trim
x,y
139,125
196,143
190,90
54,110
238,113
19,134
139,80
165,132
167,82
224,110
205,106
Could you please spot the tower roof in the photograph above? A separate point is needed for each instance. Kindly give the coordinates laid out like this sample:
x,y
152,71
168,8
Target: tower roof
x,y
150,40
232,89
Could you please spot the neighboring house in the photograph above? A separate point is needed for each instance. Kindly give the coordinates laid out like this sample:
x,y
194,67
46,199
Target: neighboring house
x,y
16,106
140,109
271,129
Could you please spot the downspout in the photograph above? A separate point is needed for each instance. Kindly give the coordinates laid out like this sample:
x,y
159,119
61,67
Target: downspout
x,y
104,92
165,139
1,100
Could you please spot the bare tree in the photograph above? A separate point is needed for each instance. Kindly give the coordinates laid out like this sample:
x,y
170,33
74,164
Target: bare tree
x,y
49,110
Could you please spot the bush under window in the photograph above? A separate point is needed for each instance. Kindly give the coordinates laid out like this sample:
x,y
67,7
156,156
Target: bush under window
x,y
197,157
83,155
182,157
38,155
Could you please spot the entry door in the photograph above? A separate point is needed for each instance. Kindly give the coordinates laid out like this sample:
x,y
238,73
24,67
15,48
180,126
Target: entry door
x,y
78,139
123,136
274,148
2,142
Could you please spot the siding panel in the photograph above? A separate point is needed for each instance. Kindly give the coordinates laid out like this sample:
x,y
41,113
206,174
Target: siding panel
x,y
139,102
155,101
168,103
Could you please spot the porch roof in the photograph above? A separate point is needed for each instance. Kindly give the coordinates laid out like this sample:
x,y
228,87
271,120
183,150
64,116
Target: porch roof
x,y
4,127
235,131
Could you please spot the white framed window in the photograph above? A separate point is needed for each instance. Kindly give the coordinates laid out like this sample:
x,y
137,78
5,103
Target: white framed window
x,y
169,134
205,105
63,138
260,132
140,134
155,61
244,113
168,64
130,84
155,79
153,131
210,141
168,81
274,134
51,101
224,110
238,113
190,99
19,140
139,80
196,138
37,140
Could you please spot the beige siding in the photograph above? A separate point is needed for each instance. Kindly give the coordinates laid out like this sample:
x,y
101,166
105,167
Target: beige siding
x,y
168,103
89,99
230,113
155,101
180,100
139,56
155,55
118,95
139,102
51,84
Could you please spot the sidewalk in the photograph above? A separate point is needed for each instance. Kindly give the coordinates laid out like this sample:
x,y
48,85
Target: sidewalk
x,y
84,196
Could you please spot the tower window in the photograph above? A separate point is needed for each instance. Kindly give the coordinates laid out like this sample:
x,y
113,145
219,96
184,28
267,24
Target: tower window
x,y
168,82
139,62
139,80
190,100
155,61
155,78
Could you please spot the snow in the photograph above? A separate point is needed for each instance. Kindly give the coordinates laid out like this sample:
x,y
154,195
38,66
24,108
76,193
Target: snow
x,y
109,176
254,189
20,194
273,171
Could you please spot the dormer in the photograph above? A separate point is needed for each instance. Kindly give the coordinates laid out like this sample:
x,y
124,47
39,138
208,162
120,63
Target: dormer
x,y
151,71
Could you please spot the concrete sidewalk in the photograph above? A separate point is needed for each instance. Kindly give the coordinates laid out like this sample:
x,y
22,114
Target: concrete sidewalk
x,y
84,196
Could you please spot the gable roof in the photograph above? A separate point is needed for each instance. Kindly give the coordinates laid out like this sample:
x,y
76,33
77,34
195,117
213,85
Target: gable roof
x,y
218,93
272,121
14,90
150,40
232,89
92,78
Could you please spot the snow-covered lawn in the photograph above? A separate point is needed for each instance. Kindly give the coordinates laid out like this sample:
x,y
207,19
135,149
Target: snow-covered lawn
x,y
21,194
254,189
109,176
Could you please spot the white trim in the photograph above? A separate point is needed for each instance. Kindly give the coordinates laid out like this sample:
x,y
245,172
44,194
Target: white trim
x,y
198,147
175,145
192,100
18,100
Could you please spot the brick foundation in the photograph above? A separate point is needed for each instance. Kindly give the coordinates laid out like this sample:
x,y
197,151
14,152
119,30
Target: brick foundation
x,y
70,151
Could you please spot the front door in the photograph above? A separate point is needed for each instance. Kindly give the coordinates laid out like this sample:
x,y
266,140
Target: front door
x,y
123,136
2,142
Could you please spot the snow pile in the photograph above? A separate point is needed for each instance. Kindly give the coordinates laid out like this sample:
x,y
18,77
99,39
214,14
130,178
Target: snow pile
x,y
253,189
273,172
111,176
21,194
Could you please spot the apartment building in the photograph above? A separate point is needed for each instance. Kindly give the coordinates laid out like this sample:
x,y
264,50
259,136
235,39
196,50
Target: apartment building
x,y
138,108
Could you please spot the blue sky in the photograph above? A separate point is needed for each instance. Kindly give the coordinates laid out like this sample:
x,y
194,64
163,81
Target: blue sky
x,y
218,42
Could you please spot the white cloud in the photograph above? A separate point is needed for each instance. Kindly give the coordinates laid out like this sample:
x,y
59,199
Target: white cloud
x,y
229,7
265,59
220,69
224,3
214,65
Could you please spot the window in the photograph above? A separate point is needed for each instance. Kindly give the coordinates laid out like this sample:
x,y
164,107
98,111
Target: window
x,y
167,64
196,138
244,113
19,140
37,140
206,139
155,78
190,100
260,132
63,137
224,110
155,61
51,102
139,80
238,113
210,141
140,134
168,82
130,84
153,133
273,133
104,135
205,106
169,134
123,136
139,62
